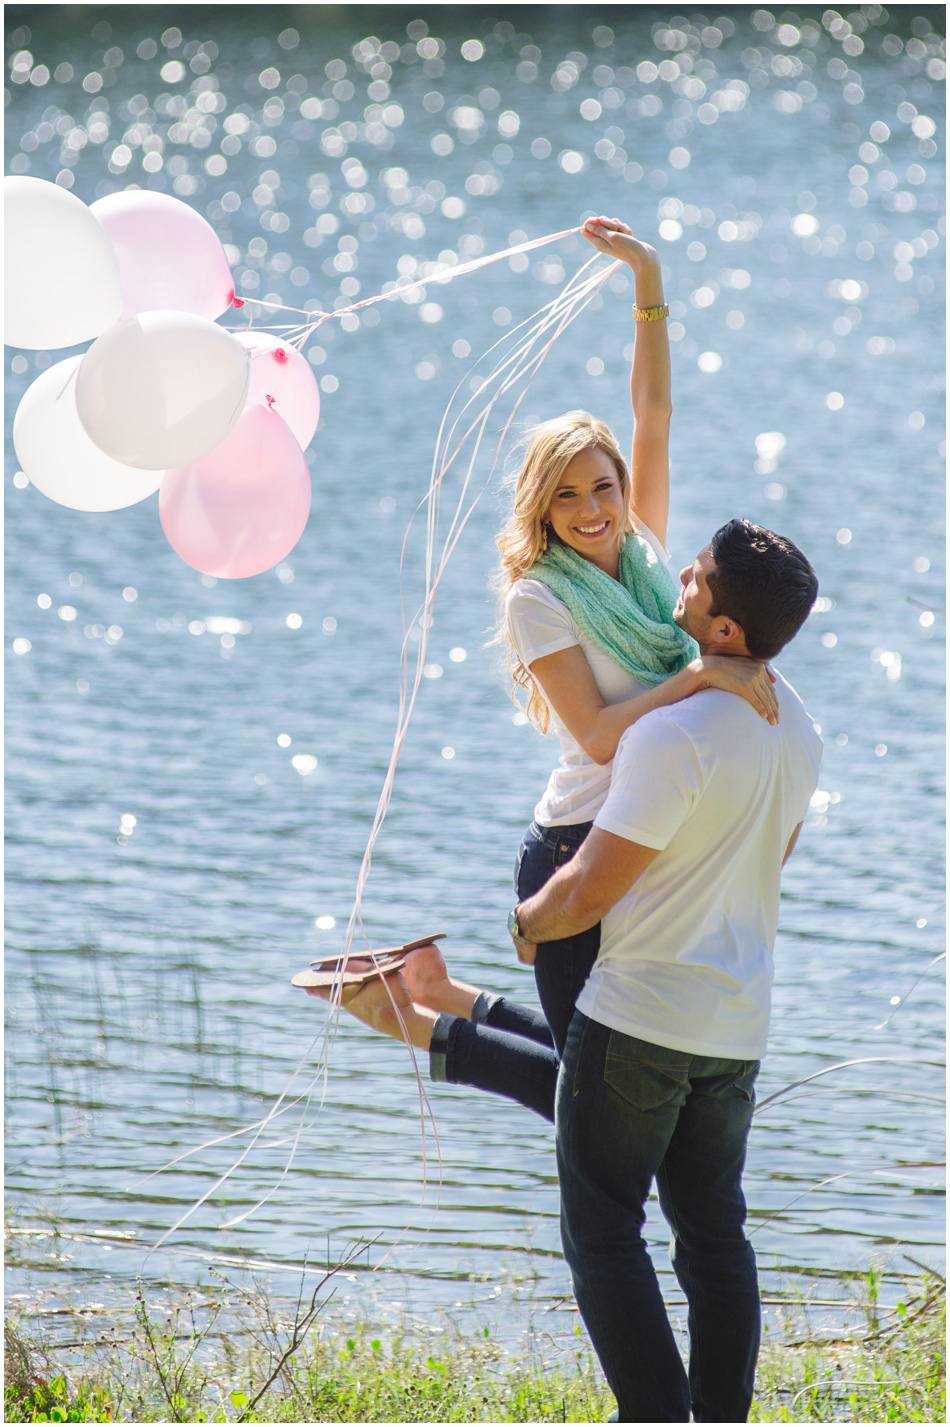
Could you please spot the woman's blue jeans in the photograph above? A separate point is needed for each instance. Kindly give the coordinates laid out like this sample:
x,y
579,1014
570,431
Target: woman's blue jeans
x,y
629,1112
561,967
512,1049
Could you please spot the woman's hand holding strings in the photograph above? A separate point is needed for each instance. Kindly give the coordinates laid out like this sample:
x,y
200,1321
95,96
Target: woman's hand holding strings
x,y
610,236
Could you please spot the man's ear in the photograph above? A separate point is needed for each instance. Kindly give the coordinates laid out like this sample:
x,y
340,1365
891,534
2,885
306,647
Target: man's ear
x,y
726,635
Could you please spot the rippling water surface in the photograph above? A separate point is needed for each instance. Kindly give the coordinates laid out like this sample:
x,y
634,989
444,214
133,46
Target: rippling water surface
x,y
168,866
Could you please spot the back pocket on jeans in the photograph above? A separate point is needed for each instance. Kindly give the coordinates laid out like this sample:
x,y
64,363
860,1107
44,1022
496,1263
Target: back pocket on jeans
x,y
646,1076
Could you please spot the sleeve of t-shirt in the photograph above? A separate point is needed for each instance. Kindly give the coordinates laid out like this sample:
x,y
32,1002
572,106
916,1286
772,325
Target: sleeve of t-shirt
x,y
655,783
805,745
537,621
811,782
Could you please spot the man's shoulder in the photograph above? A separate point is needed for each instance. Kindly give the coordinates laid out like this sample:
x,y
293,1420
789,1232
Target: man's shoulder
x,y
691,718
713,720
792,709
659,733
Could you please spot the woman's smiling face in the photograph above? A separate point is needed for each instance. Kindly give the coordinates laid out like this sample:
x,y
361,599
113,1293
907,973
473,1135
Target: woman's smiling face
x,y
587,508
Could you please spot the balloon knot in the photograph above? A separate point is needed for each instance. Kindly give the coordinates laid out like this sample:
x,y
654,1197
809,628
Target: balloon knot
x,y
270,400
237,301
279,354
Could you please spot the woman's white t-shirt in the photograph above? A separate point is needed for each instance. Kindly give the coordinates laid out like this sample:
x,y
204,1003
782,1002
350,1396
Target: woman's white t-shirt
x,y
539,623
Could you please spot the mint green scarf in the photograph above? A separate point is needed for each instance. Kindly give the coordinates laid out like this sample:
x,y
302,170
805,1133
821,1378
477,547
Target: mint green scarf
x,y
631,618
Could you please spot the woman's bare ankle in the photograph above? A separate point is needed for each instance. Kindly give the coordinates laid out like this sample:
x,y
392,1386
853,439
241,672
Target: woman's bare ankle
x,y
385,1005
457,999
431,985
412,1024
420,1025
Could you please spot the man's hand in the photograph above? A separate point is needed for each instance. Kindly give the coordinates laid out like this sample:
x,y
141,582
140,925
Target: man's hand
x,y
581,892
527,951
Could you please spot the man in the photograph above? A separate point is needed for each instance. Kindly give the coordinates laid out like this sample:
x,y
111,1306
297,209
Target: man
x,y
682,867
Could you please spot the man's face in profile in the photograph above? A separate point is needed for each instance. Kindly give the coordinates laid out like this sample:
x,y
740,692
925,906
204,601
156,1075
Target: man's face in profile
x,y
692,609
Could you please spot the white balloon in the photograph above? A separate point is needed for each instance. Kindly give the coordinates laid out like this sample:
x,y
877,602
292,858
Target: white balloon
x,y
162,389
59,458
61,277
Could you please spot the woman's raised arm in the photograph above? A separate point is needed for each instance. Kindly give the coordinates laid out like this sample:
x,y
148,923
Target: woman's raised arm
x,y
649,375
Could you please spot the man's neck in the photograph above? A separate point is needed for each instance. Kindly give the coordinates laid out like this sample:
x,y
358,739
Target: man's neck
x,y
729,650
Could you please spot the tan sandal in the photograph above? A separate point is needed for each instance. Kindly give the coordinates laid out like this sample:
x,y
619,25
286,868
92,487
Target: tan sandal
x,y
333,972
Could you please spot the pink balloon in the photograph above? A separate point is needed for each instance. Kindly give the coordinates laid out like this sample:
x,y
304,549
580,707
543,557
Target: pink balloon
x,y
243,507
279,371
169,256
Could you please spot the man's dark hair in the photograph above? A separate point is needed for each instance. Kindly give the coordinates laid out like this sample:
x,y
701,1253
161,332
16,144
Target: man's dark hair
x,y
763,582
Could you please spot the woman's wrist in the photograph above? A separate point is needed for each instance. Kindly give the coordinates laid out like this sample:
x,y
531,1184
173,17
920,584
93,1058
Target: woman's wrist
x,y
648,287
679,686
694,675
639,253
638,256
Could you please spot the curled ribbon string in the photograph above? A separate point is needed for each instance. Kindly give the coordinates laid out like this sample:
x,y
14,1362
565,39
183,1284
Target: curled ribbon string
x,y
440,274
522,354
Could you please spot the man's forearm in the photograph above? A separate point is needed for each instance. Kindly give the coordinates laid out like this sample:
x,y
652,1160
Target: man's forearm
x,y
560,909
583,891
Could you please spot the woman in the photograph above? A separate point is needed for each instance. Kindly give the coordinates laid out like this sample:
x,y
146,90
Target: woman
x,y
588,621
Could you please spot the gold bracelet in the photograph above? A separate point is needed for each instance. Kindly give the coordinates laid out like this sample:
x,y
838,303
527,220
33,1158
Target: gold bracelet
x,y
650,314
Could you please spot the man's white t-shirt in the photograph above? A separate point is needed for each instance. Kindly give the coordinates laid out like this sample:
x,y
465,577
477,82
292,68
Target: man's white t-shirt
x,y
686,955
539,624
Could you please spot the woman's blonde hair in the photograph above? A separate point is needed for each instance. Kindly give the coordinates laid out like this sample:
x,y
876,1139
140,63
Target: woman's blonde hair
x,y
549,448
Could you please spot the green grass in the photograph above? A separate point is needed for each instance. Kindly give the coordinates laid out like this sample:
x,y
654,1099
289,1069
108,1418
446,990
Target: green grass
x,y
348,1379
891,1368
194,1366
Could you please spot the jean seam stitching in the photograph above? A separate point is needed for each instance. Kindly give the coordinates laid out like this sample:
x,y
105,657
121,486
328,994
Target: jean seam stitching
x,y
671,1219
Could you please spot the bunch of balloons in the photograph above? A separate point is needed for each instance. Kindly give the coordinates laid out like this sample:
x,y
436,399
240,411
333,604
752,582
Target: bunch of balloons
x,y
164,399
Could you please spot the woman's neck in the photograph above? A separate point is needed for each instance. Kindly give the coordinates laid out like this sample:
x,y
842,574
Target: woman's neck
x,y
609,563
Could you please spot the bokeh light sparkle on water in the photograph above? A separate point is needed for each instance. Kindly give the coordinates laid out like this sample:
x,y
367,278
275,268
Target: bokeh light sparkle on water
x,y
193,764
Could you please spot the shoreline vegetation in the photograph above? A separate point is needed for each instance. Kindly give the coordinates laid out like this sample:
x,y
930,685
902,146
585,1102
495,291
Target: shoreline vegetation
x,y
224,1356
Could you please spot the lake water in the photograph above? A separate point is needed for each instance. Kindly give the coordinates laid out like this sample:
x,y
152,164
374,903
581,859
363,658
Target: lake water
x,y
790,170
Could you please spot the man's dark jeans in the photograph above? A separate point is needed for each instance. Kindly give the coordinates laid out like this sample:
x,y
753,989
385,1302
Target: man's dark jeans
x,y
628,1112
